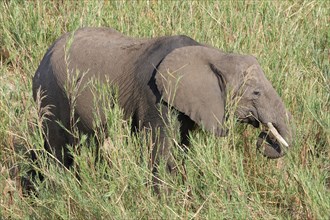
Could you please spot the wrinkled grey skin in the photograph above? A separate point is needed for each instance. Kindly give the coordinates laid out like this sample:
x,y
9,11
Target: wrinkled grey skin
x,y
146,72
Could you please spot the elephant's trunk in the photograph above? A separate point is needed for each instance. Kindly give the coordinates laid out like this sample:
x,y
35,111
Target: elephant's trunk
x,y
277,138
275,133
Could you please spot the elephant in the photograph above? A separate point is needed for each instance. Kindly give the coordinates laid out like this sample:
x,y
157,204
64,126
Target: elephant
x,y
169,72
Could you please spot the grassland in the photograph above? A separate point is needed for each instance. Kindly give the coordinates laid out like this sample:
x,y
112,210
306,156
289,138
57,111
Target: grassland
x,y
226,177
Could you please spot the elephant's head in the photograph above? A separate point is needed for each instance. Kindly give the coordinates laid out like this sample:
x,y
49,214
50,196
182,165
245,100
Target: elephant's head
x,y
195,80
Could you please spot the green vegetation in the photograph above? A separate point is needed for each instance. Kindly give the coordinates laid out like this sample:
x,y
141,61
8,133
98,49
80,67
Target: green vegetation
x,y
226,177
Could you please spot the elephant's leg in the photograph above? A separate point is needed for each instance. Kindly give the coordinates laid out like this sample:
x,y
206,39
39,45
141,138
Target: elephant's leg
x,y
57,141
57,127
161,151
186,125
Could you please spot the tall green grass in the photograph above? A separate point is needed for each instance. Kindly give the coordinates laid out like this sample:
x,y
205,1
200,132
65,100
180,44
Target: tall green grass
x,y
226,178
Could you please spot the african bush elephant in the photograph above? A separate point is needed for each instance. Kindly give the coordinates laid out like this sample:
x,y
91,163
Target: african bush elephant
x,y
152,73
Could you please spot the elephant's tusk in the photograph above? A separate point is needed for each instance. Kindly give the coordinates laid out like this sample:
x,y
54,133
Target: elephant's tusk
x,y
276,134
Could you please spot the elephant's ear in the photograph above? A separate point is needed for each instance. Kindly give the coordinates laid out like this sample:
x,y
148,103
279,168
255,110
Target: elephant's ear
x,y
189,81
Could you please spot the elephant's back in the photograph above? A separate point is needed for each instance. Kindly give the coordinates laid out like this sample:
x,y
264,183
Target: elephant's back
x,y
99,51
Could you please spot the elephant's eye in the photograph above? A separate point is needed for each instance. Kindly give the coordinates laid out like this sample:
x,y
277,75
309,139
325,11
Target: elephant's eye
x,y
256,93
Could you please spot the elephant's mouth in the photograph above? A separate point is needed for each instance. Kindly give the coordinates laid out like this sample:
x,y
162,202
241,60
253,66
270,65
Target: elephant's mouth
x,y
250,120
270,143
